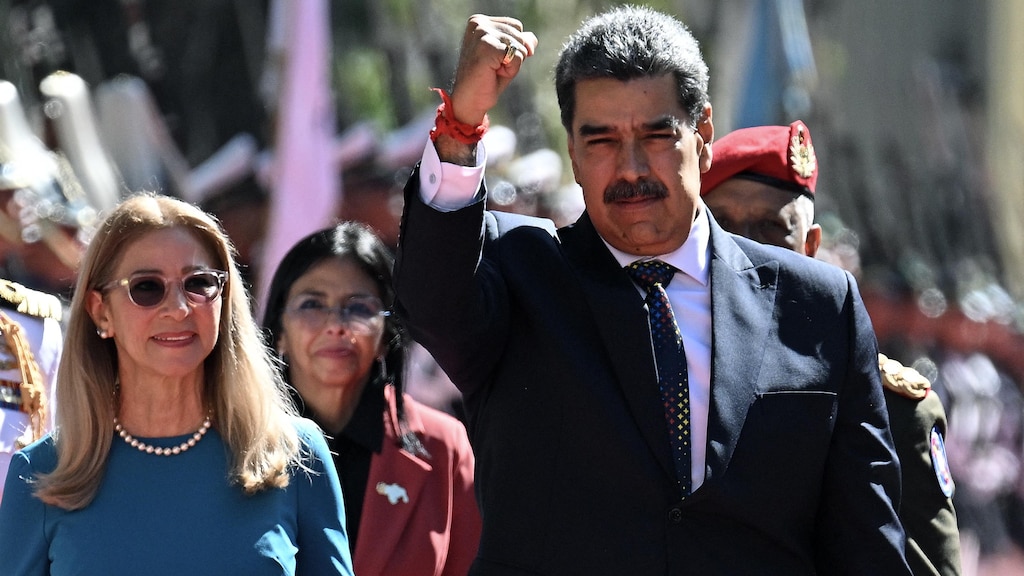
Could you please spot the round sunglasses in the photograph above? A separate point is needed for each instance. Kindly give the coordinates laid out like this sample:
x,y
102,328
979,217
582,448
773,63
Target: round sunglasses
x,y
147,290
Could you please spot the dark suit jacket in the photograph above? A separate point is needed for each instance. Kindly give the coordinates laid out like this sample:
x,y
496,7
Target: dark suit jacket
x,y
548,339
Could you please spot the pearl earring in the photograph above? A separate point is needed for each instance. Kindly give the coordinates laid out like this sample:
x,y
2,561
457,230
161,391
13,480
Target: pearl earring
x,y
102,333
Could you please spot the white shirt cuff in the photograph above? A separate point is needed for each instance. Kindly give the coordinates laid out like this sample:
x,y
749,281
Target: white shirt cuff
x,y
448,187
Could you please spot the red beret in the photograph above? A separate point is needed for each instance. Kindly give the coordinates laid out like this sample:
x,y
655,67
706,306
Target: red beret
x,y
781,156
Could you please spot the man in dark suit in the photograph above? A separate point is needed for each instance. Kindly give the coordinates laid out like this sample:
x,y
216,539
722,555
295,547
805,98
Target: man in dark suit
x,y
785,463
762,186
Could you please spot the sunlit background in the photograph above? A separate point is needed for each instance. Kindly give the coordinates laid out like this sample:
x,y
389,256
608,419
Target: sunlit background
x,y
282,118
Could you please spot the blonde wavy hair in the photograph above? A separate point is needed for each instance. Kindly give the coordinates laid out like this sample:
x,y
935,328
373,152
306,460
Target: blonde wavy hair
x,y
252,409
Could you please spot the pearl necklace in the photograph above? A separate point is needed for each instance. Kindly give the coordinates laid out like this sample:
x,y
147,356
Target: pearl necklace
x,y
159,450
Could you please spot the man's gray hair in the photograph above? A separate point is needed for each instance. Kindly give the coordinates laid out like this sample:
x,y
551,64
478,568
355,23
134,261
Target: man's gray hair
x,y
627,43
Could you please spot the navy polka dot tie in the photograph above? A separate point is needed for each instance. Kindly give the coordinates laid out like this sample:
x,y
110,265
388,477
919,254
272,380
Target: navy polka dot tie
x,y
653,276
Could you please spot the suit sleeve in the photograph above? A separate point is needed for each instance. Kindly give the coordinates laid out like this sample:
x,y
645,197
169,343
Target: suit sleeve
x,y
858,528
322,538
22,517
452,299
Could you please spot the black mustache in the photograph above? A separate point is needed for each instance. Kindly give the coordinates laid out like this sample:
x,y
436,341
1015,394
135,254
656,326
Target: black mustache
x,y
622,190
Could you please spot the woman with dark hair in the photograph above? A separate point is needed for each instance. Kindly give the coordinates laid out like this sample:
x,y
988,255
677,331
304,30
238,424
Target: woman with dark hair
x,y
406,469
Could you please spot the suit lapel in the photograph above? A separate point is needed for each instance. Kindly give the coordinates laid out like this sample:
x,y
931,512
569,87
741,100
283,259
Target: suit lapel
x,y
606,287
742,304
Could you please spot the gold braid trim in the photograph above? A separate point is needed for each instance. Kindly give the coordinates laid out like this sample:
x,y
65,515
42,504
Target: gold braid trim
x,y
31,302
33,388
903,380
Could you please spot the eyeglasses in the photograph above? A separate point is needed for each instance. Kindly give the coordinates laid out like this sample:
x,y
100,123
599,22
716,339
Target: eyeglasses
x,y
148,290
358,313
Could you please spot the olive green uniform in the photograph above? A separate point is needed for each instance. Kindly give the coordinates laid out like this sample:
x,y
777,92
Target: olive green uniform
x,y
918,423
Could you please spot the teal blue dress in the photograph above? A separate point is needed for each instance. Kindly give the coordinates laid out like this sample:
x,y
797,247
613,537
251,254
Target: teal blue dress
x,y
173,515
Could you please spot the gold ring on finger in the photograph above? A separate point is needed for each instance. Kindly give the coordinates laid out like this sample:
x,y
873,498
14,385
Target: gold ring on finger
x,y
510,52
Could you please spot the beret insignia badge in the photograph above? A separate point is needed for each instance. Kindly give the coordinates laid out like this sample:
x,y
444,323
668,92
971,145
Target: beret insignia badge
x,y
801,155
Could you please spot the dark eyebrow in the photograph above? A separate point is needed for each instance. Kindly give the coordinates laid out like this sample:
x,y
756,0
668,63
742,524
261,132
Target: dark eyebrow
x,y
158,272
593,130
668,122
318,293
663,123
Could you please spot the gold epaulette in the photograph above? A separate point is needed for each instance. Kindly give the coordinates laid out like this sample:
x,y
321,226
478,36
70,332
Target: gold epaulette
x,y
903,380
31,302
27,395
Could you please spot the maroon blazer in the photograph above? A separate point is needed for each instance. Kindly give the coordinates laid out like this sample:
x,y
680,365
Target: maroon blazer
x,y
420,515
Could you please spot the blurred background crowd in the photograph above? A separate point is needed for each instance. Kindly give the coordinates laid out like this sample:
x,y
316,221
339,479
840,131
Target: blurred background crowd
x,y
281,117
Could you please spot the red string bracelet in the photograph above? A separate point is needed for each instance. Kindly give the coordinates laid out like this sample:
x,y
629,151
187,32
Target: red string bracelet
x,y
449,126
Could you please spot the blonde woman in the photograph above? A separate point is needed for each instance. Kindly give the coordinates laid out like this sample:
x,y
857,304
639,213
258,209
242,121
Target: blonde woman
x,y
175,450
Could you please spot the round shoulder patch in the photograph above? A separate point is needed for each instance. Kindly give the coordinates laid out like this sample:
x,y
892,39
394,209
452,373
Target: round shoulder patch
x,y
940,463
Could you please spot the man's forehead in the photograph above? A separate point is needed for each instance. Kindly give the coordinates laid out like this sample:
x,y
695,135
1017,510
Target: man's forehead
x,y
632,104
